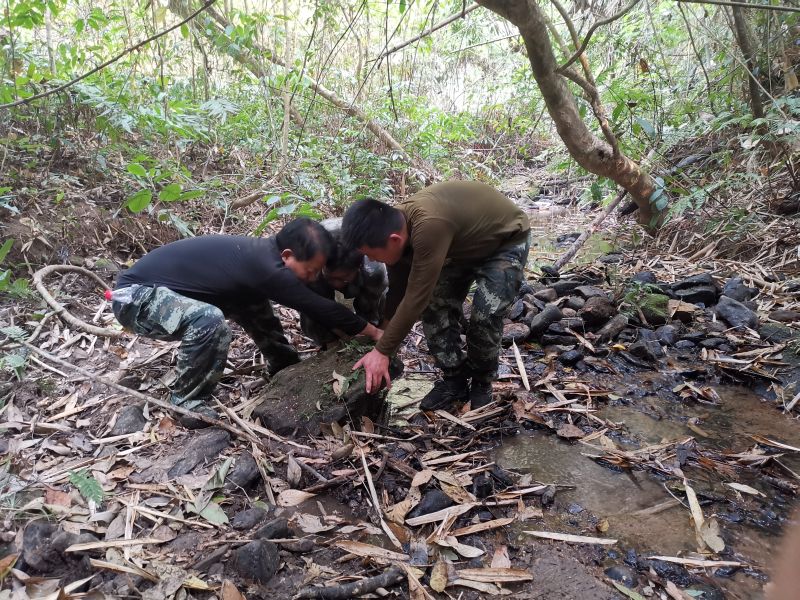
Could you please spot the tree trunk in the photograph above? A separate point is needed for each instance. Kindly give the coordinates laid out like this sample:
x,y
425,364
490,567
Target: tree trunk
x,y
742,34
592,153
287,92
183,8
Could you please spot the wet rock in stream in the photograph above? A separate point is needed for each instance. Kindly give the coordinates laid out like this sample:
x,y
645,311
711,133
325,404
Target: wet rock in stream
x,y
597,311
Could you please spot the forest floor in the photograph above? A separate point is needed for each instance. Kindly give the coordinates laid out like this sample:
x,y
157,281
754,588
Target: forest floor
x,y
654,426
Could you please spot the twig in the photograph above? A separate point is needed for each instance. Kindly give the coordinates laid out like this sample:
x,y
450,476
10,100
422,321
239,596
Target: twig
x,y
591,31
745,5
388,578
460,14
576,245
389,533
103,65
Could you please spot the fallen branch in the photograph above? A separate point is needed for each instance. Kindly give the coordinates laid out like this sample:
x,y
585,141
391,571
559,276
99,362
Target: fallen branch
x,y
59,308
388,578
576,245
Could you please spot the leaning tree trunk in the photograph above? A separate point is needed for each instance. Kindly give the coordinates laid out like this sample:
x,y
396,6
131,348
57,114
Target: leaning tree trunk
x,y
742,33
592,153
184,8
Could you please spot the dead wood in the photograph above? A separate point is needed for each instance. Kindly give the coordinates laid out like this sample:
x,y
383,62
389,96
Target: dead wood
x,y
389,577
59,308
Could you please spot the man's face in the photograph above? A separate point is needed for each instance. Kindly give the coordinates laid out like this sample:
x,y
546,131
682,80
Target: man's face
x,y
340,278
390,254
305,270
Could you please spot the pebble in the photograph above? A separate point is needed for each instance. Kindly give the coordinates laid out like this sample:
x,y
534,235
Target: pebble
x,y
257,561
622,573
570,357
247,519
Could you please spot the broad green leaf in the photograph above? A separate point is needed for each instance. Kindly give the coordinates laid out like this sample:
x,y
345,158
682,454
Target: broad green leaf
x,y
5,248
5,279
191,194
139,201
271,216
185,31
137,169
170,193
79,25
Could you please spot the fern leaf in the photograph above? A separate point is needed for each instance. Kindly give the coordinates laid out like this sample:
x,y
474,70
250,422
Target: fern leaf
x,y
87,485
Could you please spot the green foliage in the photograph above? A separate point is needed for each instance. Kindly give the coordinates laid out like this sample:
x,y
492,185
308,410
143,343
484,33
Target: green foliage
x,y
154,175
644,297
87,485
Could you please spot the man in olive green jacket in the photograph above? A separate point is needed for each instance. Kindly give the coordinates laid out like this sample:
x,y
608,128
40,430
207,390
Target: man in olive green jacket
x,y
437,244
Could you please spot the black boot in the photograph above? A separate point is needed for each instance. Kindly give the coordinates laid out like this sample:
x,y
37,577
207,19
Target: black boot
x,y
480,394
446,392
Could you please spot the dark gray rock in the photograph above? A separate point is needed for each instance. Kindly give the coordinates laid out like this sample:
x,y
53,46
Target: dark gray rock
x,y
36,550
667,334
793,286
624,574
566,286
597,311
249,518
544,319
694,281
130,420
675,573
568,313
245,473
204,446
570,357
257,561
693,336
713,342
736,314
515,332
567,238
574,302
736,289
716,327
645,277
646,350
274,529
557,328
516,310
574,323
546,295
610,258
785,316
554,339
701,294
685,344
589,291
432,501
612,329
775,333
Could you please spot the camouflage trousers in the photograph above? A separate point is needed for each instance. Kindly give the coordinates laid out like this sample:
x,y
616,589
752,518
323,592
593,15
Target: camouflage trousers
x,y
497,281
161,314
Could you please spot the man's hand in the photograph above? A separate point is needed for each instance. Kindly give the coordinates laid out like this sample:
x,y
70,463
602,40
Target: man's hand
x,y
372,332
376,370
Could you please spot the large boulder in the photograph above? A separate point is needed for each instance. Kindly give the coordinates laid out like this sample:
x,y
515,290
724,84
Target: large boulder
x,y
303,395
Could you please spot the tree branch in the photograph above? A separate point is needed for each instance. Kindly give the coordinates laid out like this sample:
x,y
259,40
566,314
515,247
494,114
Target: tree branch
x,y
591,31
429,31
745,5
101,66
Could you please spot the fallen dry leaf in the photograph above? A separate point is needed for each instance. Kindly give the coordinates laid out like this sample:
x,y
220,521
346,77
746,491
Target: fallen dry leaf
x,y
500,559
230,592
293,497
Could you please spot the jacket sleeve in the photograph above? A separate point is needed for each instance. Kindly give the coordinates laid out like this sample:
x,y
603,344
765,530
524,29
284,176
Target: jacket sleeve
x,y
430,242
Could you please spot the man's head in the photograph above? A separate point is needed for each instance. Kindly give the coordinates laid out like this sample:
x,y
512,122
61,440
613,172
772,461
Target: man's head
x,y
342,266
305,245
375,229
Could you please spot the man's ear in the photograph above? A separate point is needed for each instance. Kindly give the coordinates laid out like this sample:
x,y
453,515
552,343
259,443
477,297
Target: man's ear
x,y
286,254
396,238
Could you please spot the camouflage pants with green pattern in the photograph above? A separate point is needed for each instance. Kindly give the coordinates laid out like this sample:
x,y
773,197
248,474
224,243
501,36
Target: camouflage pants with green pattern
x,y
497,281
161,314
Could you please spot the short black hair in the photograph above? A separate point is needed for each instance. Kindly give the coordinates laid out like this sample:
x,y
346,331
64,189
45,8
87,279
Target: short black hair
x,y
344,258
305,238
369,223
